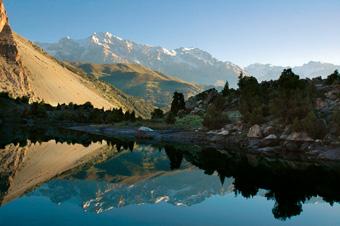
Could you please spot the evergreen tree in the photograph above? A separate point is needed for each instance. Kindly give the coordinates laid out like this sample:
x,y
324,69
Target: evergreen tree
x,y
226,90
178,103
333,78
251,102
133,116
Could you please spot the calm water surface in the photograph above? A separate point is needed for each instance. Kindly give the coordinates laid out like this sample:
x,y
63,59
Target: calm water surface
x,y
125,183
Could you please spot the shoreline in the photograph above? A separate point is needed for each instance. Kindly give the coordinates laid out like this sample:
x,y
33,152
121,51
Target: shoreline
x,y
273,148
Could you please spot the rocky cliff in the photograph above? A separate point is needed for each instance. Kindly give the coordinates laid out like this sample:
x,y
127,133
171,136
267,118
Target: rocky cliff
x,y
12,74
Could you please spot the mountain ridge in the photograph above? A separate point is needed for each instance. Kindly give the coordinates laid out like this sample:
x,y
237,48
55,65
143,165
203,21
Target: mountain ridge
x,y
310,69
137,80
189,64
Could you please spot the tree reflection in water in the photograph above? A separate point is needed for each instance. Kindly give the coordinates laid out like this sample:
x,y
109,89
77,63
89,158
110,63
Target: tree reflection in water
x,y
289,183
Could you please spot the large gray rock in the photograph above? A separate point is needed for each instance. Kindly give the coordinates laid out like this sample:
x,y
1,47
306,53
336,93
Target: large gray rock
x,y
255,132
299,137
201,100
271,137
269,141
268,130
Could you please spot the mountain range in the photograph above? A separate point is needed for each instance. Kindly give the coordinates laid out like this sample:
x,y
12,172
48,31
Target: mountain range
x,y
189,64
26,70
310,69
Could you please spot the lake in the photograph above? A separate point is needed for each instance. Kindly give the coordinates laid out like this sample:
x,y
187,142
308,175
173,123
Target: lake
x,y
86,180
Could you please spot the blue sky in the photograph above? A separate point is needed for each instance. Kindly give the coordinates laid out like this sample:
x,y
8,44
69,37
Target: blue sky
x,y
281,32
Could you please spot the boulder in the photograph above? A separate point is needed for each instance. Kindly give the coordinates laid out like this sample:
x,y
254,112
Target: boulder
x,y
299,137
145,129
255,132
271,137
268,130
269,141
223,132
146,133
201,100
198,111
283,137
320,104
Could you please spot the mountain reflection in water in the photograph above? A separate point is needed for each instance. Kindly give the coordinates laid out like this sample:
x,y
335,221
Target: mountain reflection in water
x,y
101,175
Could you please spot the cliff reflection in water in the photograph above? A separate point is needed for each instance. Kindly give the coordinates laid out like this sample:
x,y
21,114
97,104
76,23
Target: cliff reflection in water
x,y
106,174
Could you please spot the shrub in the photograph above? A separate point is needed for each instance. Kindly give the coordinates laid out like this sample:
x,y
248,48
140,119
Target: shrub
x,y
336,121
219,102
157,114
333,78
215,119
313,126
189,122
170,118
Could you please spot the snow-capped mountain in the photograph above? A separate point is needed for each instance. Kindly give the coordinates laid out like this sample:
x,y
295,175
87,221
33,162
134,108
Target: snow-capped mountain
x,y
310,69
190,64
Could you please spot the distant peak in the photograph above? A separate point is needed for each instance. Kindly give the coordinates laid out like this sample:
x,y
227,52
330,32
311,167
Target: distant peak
x,y
106,35
187,49
169,52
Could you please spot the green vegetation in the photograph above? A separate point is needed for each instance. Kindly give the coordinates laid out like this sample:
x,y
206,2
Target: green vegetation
x,y
189,122
333,78
157,114
251,100
288,101
178,103
312,125
336,121
226,90
66,113
215,118
170,118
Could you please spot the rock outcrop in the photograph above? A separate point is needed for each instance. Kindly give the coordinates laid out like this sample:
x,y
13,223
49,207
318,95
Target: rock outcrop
x,y
12,74
255,132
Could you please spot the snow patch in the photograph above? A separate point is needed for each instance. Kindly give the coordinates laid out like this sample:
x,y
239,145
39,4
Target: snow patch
x,y
169,52
187,49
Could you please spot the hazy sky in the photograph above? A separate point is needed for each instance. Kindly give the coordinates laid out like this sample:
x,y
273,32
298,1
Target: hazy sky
x,y
282,32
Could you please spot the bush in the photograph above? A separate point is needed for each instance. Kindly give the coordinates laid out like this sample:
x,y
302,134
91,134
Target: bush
x,y
215,119
219,102
313,126
170,118
189,122
333,78
336,121
157,114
